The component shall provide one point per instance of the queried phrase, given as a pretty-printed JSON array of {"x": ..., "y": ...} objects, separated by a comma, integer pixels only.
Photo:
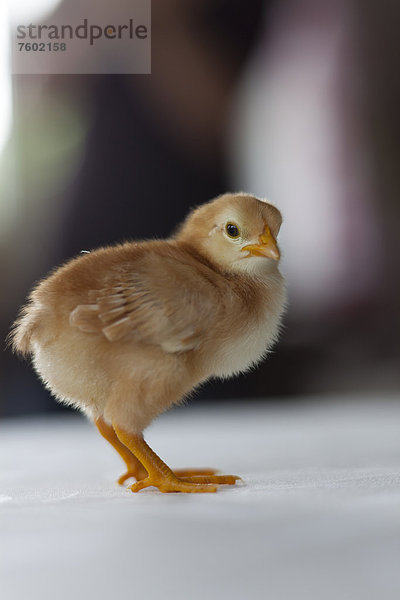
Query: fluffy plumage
[{"x": 124, "y": 332}]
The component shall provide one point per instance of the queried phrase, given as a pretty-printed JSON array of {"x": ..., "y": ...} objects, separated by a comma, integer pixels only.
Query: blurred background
[{"x": 296, "y": 101}]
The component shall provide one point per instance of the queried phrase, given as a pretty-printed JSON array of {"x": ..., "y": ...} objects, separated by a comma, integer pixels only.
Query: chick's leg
[
  {"x": 136, "y": 469},
  {"x": 134, "y": 466},
  {"x": 160, "y": 475}
]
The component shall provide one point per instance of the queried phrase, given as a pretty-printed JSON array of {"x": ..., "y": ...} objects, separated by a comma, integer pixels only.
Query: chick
[{"x": 124, "y": 332}]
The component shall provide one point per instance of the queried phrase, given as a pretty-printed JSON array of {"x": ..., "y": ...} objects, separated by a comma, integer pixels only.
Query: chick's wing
[{"x": 160, "y": 301}]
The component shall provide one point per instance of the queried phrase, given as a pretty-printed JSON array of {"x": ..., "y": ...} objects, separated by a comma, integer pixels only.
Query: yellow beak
[{"x": 266, "y": 247}]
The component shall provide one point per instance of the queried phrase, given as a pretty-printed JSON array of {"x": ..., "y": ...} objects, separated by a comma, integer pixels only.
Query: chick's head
[{"x": 236, "y": 231}]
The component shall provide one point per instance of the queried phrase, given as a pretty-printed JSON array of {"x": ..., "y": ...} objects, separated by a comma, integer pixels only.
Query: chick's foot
[
  {"x": 167, "y": 484},
  {"x": 159, "y": 474}
]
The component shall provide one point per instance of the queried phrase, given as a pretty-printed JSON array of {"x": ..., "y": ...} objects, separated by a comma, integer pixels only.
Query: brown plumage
[{"x": 124, "y": 332}]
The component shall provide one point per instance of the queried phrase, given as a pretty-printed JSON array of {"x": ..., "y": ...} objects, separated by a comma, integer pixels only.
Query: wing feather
[{"x": 164, "y": 302}]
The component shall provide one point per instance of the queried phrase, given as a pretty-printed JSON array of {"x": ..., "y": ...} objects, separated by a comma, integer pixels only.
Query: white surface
[{"x": 317, "y": 517}]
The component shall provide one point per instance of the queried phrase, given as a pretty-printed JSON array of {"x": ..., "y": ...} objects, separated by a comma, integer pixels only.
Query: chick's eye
[{"x": 232, "y": 230}]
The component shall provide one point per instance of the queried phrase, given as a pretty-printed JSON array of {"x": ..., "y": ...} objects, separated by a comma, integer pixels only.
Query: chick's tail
[{"x": 20, "y": 336}]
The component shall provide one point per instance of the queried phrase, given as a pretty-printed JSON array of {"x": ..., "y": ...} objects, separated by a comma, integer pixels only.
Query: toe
[
  {"x": 124, "y": 477},
  {"x": 140, "y": 485},
  {"x": 220, "y": 479},
  {"x": 188, "y": 488},
  {"x": 135, "y": 473},
  {"x": 169, "y": 486},
  {"x": 193, "y": 472}
]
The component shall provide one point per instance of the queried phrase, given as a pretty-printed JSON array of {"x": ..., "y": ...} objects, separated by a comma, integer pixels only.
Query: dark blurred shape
[{"x": 377, "y": 32}]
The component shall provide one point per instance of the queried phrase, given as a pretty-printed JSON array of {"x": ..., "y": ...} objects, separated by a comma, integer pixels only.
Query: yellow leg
[
  {"x": 134, "y": 466},
  {"x": 159, "y": 474},
  {"x": 137, "y": 470}
]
